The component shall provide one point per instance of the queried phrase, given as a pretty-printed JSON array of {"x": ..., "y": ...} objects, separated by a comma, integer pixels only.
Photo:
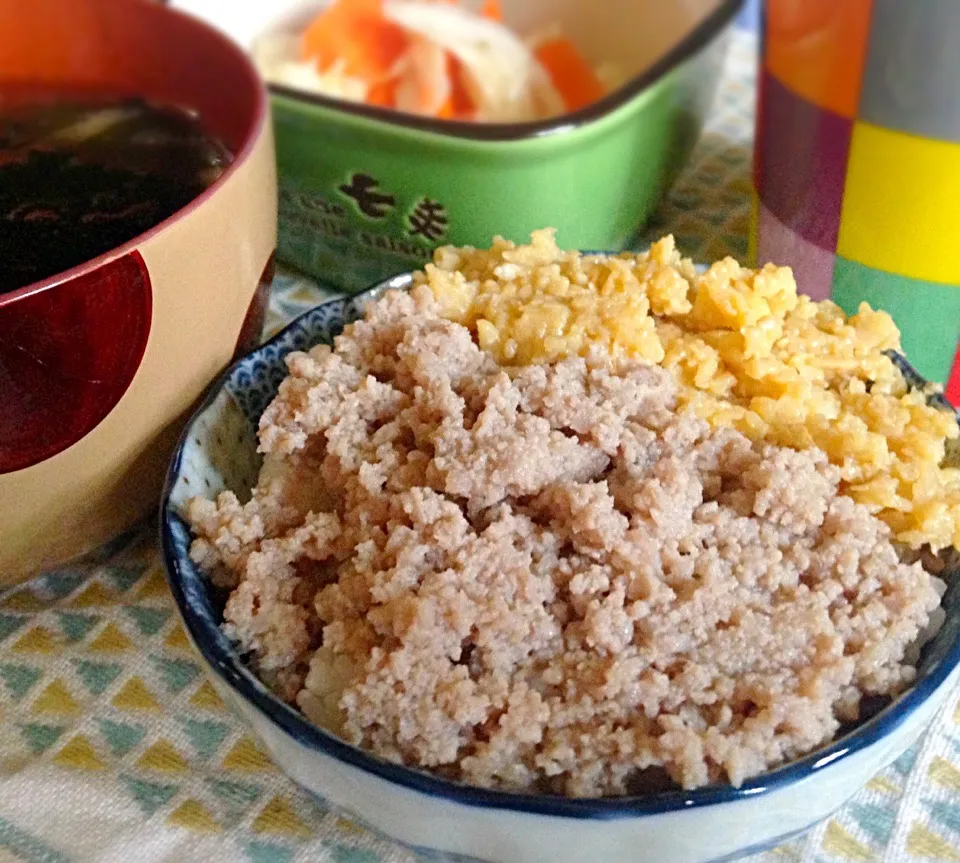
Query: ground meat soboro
[{"x": 545, "y": 578}]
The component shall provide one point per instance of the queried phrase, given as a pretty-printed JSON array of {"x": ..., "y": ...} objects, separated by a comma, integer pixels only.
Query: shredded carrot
[
  {"x": 383, "y": 94},
  {"x": 571, "y": 74},
  {"x": 461, "y": 102},
  {"x": 356, "y": 32},
  {"x": 404, "y": 72},
  {"x": 492, "y": 9},
  {"x": 432, "y": 77}
]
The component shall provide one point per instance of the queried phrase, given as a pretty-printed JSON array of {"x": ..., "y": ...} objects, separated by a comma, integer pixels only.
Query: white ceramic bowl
[{"x": 445, "y": 821}]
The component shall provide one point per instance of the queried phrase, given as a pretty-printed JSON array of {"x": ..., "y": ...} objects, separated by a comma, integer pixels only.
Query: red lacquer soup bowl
[{"x": 99, "y": 364}]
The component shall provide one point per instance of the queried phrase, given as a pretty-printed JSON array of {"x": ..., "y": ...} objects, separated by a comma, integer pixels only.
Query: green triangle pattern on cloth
[
  {"x": 149, "y": 795},
  {"x": 177, "y": 673},
  {"x": 345, "y": 854},
  {"x": 206, "y": 736},
  {"x": 125, "y": 577},
  {"x": 121, "y": 737},
  {"x": 944, "y": 813},
  {"x": 19, "y": 679},
  {"x": 61, "y": 584},
  {"x": 41, "y": 737},
  {"x": 265, "y": 852},
  {"x": 97, "y": 676},
  {"x": 237, "y": 795},
  {"x": 10, "y": 623},
  {"x": 904, "y": 764},
  {"x": 876, "y": 821},
  {"x": 148, "y": 620},
  {"x": 76, "y": 626}
]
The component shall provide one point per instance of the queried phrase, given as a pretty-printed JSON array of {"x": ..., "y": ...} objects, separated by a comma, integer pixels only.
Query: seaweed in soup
[{"x": 80, "y": 177}]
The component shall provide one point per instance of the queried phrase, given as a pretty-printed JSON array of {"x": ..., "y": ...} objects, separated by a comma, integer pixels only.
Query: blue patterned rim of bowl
[{"x": 253, "y": 381}]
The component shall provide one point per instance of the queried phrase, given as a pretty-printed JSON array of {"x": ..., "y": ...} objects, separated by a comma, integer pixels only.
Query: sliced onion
[
  {"x": 501, "y": 73},
  {"x": 425, "y": 85}
]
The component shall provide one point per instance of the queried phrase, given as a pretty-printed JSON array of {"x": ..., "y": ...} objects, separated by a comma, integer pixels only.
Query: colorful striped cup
[{"x": 857, "y": 163}]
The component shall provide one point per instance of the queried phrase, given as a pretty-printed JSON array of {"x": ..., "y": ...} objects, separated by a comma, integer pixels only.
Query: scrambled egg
[{"x": 748, "y": 352}]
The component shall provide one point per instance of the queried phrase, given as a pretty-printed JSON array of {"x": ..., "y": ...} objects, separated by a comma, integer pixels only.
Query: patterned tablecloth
[{"x": 113, "y": 746}]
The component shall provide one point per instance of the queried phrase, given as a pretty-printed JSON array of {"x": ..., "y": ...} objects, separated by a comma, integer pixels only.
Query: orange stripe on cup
[{"x": 818, "y": 49}]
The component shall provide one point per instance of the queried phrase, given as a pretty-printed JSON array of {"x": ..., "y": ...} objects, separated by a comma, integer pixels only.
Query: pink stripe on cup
[
  {"x": 812, "y": 266},
  {"x": 953, "y": 383}
]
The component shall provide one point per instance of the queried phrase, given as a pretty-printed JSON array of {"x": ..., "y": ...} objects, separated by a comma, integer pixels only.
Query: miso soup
[{"x": 80, "y": 175}]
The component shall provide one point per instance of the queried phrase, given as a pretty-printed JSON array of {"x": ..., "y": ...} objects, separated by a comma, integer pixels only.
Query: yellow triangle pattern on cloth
[
  {"x": 56, "y": 698},
  {"x": 94, "y": 595},
  {"x": 38, "y": 640},
  {"x": 135, "y": 696},
  {"x": 740, "y": 224},
  {"x": 956, "y": 713},
  {"x": 10, "y": 764},
  {"x": 714, "y": 250},
  {"x": 177, "y": 639},
  {"x": 79, "y": 754},
  {"x": 246, "y": 755},
  {"x": 207, "y": 698},
  {"x": 883, "y": 785},
  {"x": 154, "y": 585},
  {"x": 24, "y": 600},
  {"x": 164, "y": 757},
  {"x": 278, "y": 817},
  {"x": 111, "y": 640},
  {"x": 348, "y": 826},
  {"x": 304, "y": 295},
  {"x": 685, "y": 225},
  {"x": 922, "y": 842},
  {"x": 944, "y": 773},
  {"x": 193, "y": 816},
  {"x": 838, "y": 841}
]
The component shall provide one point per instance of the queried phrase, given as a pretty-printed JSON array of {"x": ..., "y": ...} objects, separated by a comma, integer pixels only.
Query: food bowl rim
[
  {"x": 226, "y": 663},
  {"x": 692, "y": 43}
]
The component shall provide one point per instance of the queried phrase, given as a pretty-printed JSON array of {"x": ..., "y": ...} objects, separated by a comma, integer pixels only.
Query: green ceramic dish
[{"x": 366, "y": 193}]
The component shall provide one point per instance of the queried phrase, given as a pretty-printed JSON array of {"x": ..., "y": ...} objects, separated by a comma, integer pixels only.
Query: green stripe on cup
[{"x": 927, "y": 313}]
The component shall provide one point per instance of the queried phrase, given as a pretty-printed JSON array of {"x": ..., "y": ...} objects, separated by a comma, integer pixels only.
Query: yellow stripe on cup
[{"x": 900, "y": 210}]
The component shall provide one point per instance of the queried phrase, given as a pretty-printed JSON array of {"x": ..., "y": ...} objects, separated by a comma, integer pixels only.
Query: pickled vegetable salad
[{"x": 436, "y": 58}]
